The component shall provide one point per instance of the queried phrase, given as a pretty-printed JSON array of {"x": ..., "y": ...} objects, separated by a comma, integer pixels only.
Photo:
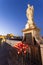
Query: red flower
[{"x": 21, "y": 47}]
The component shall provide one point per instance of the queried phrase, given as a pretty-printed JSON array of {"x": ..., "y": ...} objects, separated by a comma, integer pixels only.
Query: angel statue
[{"x": 29, "y": 12}]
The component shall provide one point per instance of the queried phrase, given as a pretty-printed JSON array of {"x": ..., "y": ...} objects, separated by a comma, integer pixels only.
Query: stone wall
[{"x": 9, "y": 55}]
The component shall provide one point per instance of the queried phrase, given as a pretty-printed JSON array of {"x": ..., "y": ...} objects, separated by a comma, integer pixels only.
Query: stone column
[{"x": 41, "y": 48}]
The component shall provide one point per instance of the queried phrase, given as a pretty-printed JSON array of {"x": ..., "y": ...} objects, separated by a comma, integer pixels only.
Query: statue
[{"x": 29, "y": 13}]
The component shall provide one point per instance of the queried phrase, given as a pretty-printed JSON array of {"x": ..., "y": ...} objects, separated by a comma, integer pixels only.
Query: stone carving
[{"x": 29, "y": 12}]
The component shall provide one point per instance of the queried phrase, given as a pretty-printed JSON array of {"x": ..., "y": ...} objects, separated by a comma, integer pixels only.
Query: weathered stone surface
[
  {"x": 8, "y": 55},
  {"x": 41, "y": 48}
]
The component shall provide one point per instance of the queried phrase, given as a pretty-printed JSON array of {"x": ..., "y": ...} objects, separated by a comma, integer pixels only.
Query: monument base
[{"x": 41, "y": 49}]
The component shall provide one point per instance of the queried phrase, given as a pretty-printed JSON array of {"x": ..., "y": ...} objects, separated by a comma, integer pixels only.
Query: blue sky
[{"x": 13, "y": 15}]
